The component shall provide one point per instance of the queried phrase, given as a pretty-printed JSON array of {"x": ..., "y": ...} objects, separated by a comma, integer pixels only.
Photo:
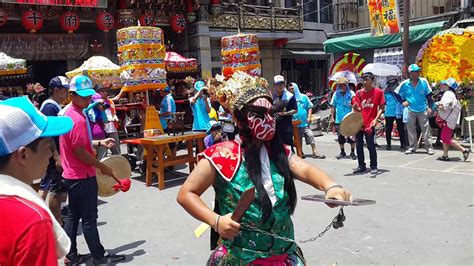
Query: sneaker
[
  {"x": 403, "y": 148},
  {"x": 341, "y": 155},
  {"x": 374, "y": 171},
  {"x": 410, "y": 151},
  {"x": 465, "y": 154},
  {"x": 360, "y": 170},
  {"x": 109, "y": 259},
  {"x": 353, "y": 156},
  {"x": 430, "y": 151},
  {"x": 76, "y": 259}
]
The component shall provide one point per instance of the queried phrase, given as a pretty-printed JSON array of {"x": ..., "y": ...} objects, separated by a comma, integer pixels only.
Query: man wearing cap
[
  {"x": 52, "y": 181},
  {"x": 167, "y": 107},
  {"x": 200, "y": 104},
  {"x": 285, "y": 116},
  {"x": 416, "y": 95},
  {"x": 29, "y": 232},
  {"x": 370, "y": 102},
  {"x": 214, "y": 135},
  {"x": 79, "y": 164}
]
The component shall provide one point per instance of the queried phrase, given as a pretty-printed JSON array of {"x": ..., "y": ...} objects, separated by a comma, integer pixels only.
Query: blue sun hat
[
  {"x": 21, "y": 123},
  {"x": 450, "y": 82}
]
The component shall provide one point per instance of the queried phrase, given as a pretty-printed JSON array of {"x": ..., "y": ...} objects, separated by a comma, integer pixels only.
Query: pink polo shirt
[{"x": 77, "y": 137}]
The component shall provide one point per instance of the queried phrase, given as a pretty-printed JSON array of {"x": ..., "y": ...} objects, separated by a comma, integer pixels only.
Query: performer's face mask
[{"x": 262, "y": 123}]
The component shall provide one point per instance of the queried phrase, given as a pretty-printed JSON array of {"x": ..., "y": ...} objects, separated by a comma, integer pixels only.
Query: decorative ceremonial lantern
[
  {"x": 141, "y": 56},
  {"x": 147, "y": 19},
  {"x": 215, "y": 7},
  {"x": 280, "y": 42},
  {"x": 351, "y": 61},
  {"x": 105, "y": 21},
  {"x": 241, "y": 53},
  {"x": 178, "y": 23},
  {"x": 69, "y": 21},
  {"x": 32, "y": 20},
  {"x": 3, "y": 17},
  {"x": 190, "y": 14}
]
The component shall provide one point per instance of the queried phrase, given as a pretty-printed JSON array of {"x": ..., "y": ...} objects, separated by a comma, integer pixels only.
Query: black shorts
[
  {"x": 53, "y": 180},
  {"x": 340, "y": 138}
]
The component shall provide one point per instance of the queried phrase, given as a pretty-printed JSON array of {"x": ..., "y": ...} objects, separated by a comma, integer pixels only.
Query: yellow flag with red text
[{"x": 384, "y": 17}]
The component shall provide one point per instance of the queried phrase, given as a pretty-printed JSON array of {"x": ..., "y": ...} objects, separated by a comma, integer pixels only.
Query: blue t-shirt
[
  {"x": 50, "y": 109},
  {"x": 167, "y": 105},
  {"x": 342, "y": 104},
  {"x": 202, "y": 121},
  {"x": 390, "y": 104},
  {"x": 302, "y": 114},
  {"x": 416, "y": 97}
]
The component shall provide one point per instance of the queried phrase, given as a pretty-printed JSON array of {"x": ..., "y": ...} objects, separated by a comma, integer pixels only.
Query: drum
[
  {"x": 351, "y": 124},
  {"x": 315, "y": 125},
  {"x": 122, "y": 170}
]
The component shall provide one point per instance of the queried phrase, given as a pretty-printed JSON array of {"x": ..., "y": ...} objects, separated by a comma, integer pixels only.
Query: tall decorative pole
[{"x": 406, "y": 35}]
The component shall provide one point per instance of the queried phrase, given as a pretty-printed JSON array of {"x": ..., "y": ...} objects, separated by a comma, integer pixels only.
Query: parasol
[
  {"x": 99, "y": 69},
  {"x": 11, "y": 66},
  {"x": 176, "y": 63},
  {"x": 448, "y": 54},
  {"x": 381, "y": 69},
  {"x": 350, "y": 76}
]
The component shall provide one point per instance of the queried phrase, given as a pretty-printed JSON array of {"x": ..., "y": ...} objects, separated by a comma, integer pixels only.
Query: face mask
[{"x": 262, "y": 128}]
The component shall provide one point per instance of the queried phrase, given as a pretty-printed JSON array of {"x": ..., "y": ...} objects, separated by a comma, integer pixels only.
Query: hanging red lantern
[
  {"x": 215, "y": 7},
  {"x": 190, "y": 14},
  {"x": 147, "y": 19},
  {"x": 105, "y": 21},
  {"x": 279, "y": 43},
  {"x": 3, "y": 17},
  {"x": 178, "y": 23},
  {"x": 69, "y": 21},
  {"x": 32, "y": 20}
]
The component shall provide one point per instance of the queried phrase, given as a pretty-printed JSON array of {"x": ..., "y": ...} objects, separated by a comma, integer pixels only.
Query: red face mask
[{"x": 262, "y": 128}]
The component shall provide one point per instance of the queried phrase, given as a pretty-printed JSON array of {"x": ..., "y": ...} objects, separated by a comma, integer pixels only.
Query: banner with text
[{"x": 384, "y": 17}]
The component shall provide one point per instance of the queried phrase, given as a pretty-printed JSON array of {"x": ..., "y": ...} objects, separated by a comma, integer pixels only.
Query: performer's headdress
[{"x": 238, "y": 90}]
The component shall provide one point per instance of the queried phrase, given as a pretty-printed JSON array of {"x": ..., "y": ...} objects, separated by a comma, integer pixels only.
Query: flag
[{"x": 384, "y": 17}]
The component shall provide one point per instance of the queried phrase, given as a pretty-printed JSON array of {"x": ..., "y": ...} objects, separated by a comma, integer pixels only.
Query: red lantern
[
  {"x": 190, "y": 14},
  {"x": 32, "y": 20},
  {"x": 69, "y": 21},
  {"x": 178, "y": 23},
  {"x": 3, "y": 17},
  {"x": 147, "y": 19},
  {"x": 215, "y": 7},
  {"x": 279, "y": 43},
  {"x": 105, "y": 21}
]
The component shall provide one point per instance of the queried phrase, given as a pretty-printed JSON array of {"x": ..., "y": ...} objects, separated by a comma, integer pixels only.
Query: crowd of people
[{"x": 249, "y": 144}]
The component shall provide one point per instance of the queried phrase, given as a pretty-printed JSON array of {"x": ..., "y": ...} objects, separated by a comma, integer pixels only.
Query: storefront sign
[
  {"x": 78, "y": 3},
  {"x": 384, "y": 17},
  {"x": 391, "y": 56}
]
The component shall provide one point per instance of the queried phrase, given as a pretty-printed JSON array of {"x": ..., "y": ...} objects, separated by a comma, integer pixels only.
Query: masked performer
[{"x": 261, "y": 161}]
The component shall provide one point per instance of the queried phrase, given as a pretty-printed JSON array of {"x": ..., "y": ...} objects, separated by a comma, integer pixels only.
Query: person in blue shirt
[
  {"x": 201, "y": 107},
  {"x": 304, "y": 115},
  {"x": 416, "y": 95},
  {"x": 287, "y": 107},
  {"x": 167, "y": 108},
  {"x": 393, "y": 112},
  {"x": 341, "y": 105}
]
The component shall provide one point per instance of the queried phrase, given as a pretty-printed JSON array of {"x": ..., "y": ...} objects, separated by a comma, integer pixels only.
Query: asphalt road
[{"x": 423, "y": 215}]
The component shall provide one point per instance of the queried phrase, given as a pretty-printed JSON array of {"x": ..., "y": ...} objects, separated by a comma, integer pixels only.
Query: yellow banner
[{"x": 384, "y": 17}]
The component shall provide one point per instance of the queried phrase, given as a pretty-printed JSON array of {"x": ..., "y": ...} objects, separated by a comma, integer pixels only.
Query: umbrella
[
  {"x": 344, "y": 74},
  {"x": 381, "y": 69}
]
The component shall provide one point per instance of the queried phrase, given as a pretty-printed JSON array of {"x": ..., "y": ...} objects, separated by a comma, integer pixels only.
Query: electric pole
[{"x": 406, "y": 34}]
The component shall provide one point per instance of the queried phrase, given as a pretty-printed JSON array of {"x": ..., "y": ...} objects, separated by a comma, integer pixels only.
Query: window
[
  {"x": 290, "y": 3},
  {"x": 362, "y": 3},
  {"x": 325, "y": 11},
  {"x": 310, "y": 10}
]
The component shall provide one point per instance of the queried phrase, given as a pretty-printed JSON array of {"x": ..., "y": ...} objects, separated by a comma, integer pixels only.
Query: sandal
[
  {"x": 317, "y": 156},
  {"x": 465, "y": 154},
  {"x": 443, "y": 158}
]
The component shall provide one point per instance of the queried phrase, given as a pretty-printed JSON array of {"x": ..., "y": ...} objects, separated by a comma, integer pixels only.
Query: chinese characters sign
[
  {"x": 78, "y": 3},
  {"x": 384, "y": 17}
]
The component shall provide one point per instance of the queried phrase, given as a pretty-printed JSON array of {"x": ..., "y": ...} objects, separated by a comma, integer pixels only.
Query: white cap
[{"x": 278, "y": 79}]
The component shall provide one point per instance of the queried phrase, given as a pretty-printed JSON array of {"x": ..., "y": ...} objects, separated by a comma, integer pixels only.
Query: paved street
[{"x": 423, "y": 215}]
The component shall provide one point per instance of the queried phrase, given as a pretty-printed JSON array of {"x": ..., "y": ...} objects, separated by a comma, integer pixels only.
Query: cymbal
[
  {"x": 351, "y": 124},
  {"x": 122, "y": 170}
]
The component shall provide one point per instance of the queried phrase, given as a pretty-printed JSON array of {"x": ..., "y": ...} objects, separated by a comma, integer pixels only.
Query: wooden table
[
  {"x": 297, "y": 138},
  {"x": 155, "y": 148}
]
